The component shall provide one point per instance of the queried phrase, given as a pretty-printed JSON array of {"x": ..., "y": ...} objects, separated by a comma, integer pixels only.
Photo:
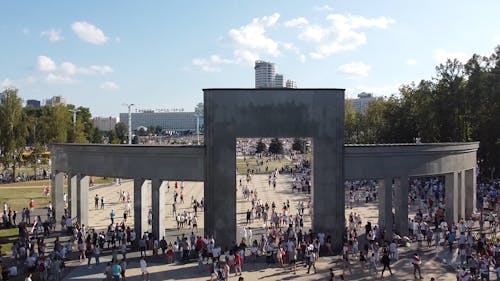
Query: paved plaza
[{"x": 433, "y": 264}]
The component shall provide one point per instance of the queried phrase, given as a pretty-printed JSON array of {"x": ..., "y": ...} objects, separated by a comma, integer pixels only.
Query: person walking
[
  {"x": 416, "y": 266},
  {"x": 386, "y": 261},
  {"x": 144, "y": 268},
  {"x": 116, "y": 270},
  {"x": 312, "y": 261},
  {"x": 238, "y": 263}
]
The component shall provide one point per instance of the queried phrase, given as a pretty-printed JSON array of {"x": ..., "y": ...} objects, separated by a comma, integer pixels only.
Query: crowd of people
[{"x": 275, "y": 233}]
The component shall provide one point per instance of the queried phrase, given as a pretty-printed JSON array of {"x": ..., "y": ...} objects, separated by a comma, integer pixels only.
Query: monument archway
[{"x": 247, "y": 113}]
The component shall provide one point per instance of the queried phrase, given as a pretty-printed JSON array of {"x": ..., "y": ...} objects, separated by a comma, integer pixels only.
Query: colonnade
[
  {"x": 460, "y": 199},
  {"x": 78, "y": 201}
]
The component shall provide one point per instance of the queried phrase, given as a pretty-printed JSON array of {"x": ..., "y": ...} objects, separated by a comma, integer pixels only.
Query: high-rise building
[
  {"x": 104, "y": 123},
  {"x": 291, "y": 84},
  {"x": 56, "y": 100},
  {"x": 265, "y": 73},
  {"x": 361, "y": 103},
  {"x": 279, "y": 81},
  {"x": 266, "y": 76},
  {"x": 33, "y": 103}
]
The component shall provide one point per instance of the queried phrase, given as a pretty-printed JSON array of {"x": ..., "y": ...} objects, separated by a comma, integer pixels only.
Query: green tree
[
  {"x": 13, "y": 129},
  {"x": 121, "y": 132},
  {"x": 261, "y": 147},
  {"x": 351, "y": 121},
  {"x": 276, "y": 146},
  {"x": 299, "y": 145}
]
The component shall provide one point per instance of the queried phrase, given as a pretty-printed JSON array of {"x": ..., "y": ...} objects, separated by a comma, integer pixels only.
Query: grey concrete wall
[
  {"x": 233, "y": 113},
  {"x": 377, "y": 161},
  {"x": 130, "y": 161}
]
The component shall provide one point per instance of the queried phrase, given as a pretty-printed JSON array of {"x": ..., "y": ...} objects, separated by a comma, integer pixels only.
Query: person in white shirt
[
  {"x": 393, "y": 250},
  {"x": 144, "y": 268}
]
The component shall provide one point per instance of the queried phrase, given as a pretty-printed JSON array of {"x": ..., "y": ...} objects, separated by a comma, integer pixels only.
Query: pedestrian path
[{"x": 433, "y": 264}]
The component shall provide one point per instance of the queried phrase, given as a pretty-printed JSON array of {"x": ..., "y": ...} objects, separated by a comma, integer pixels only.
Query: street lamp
[
  {"x": 197, "y": 127},
  {"x": 129, "y": 121},
  {"x": 74, "y": 117}
]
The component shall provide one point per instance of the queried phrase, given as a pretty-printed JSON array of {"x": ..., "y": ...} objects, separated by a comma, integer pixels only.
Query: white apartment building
[
  {"x": 266, "y": 76},
  {"x": 104, "y": 123}
]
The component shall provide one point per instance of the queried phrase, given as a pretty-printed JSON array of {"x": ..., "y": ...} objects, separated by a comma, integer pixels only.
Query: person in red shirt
[
  {"x": 238, "y": 263},
  {"x": 32, "y": 204}
]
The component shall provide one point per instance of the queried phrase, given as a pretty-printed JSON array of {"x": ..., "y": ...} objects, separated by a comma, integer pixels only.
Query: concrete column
[
  {"x": 461, "y": 194},
  {"x": 328, "y": 190},
  {"x": 158, "y": 208},
  {"x": 139, "y": 207},
  {"x": 82, "y": 195},
  {"x": 401, "y": 205},
  {"x": 470, "y": 191},
  {"x": 451, "y": 197},
  {"x": 72, "y": 197},
  {"x": 219, "y": 188},
  {"x": 57, "y": 196},
  {"x": 385, "y": 206}
]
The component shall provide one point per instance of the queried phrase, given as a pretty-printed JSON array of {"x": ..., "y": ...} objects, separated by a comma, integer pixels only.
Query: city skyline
[{"x": 162, "y": 54}]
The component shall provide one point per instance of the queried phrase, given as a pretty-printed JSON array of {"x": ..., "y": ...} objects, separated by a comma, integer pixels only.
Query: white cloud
[
  {"x": 441, "y": 55},
  {"x": 249, "y": 43},
  {"x": 110, "y": 86},
  {"x": 59, "y": 79},
  {"x": 89, "y": 32},
  {"x": 7, "y": 83},
  {"x": 411, "y": 62},
  {"x": 354, "y": 69},
  {"x": 68, "y": 68},
  {"x": 341, "y": 34},
  {"x": 252, "y": 37},
  {"x": 53, "y": 35},
  {"x": 95, "y": 69},
  {"x": 313, "y": 34},
  {"x": 296, "y": 22},
  {"x": 17, "y": 83},
  {"x": 45, "y": 64},
  {"x": 323, "y": 8}
]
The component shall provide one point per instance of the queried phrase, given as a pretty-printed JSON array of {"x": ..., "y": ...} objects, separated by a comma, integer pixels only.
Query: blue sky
[{"x": 161, "y": 54}]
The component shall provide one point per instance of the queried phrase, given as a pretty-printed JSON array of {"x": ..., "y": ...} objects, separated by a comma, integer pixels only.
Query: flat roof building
[
  {"x": 168, "y": 121},
  {"x": 104, "y": 123}
]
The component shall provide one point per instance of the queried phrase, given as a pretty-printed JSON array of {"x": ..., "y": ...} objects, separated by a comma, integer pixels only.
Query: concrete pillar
[
  {"x": 139, "y": 208},
  {"x": 219, "y": 189},
  {"x": 328, "y": 190},
  {"x": 451, "y": 197},
  {"x": 470, "y": 191},
  {"x": 385, "y": 206},
  {"x": 82, "y": 211},
  {"x": 57, "y": 196},
  {"x": 158, "y": 207},
  {"x": 461, "y": 194},
  {"x": 401, "y": 205},
  {"x": 72, "y": 197}
]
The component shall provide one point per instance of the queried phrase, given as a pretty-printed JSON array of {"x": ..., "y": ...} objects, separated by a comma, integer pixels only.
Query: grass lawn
[
  {"x": 7, "y": 236},
  {"x": 101, "y": 180},
  {"x": 18, "y": 198},
  {"x": 241, "y": 167}
]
